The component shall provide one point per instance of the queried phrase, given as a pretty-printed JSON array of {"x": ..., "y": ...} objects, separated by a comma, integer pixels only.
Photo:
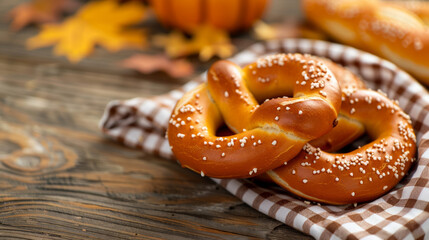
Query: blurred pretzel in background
[{"x": 397, "y": 31}]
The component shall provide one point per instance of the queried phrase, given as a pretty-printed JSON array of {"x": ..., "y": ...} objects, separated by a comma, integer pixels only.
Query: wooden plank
[{"x": 60, "y": 178}]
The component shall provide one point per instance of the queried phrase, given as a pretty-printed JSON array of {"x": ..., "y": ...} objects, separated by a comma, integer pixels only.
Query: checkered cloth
[{"x": 403, "y": 213}]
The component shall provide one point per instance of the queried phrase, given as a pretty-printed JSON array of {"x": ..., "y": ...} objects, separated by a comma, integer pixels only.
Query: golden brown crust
[
  {"x": 276, "y": 129},
  {"x": 347, "y": 130},
  {"x": 347, "y": 80},
  {"x": 392, "y": 32},
  {"x": 363, "y": 174}
]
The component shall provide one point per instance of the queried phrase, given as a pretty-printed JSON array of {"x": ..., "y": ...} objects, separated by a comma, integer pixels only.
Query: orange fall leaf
[{"x": 151, "y": 63}]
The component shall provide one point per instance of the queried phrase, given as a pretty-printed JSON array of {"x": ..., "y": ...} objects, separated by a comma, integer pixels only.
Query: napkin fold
[{"x": 403, "y": 213}]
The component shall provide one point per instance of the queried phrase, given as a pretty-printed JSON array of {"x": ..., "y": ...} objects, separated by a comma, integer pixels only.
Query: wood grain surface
[{"x": 60, "y": 178}]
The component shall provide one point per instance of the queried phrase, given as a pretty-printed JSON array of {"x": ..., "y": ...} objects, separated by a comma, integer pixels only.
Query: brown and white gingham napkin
[{"x": 403, "y": 213}]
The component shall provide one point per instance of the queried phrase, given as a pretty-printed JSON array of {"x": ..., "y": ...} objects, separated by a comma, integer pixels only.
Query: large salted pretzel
[
  {"x": 396, "y": 31},
  {"x": 363, "y": 174},
  {"x": 278, "y": 129},
  {"x": 266, "y": 135}
]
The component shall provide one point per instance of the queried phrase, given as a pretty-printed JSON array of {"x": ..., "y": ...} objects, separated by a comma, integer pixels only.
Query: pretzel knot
[{"x": 265, "y": 135}]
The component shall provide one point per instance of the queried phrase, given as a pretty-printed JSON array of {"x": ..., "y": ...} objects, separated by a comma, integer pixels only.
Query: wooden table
[{"x": 60, "y": 178}]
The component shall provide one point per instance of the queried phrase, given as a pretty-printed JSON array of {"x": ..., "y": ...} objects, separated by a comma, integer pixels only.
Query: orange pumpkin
[{"x": 229, "y": 15}]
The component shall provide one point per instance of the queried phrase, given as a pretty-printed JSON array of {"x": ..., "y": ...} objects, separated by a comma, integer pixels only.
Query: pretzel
[
  {"x": 420, "y": 8},
  {"x": 276, "y": 130},
  {"x": 388, "y": 30},
  {"x": 363, "y": 174}
]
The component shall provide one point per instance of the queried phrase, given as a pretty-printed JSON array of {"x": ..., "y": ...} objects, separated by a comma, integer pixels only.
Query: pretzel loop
[{"x": 363, "y": 174}]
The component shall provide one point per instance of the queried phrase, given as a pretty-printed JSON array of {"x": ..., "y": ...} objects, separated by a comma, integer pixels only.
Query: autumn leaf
[
  {"x": 99, "y": 22},
  {"x": 150, "y": 63},
  {"x": 39, "y": 11},
  {"x": 287, "y": 29},
  {"x": 205, "y": 41},
  {"x": 174, "y": 43}
]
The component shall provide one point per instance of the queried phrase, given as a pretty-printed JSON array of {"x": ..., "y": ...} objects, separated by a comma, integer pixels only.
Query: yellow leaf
[
  {"x": 264, "y": 31},
  {"x": 206, "y": 41},
  {"x": 175, "y": 44},
  {"x": 100, "y": 22},
  {"x": 287, "y": 29}
]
